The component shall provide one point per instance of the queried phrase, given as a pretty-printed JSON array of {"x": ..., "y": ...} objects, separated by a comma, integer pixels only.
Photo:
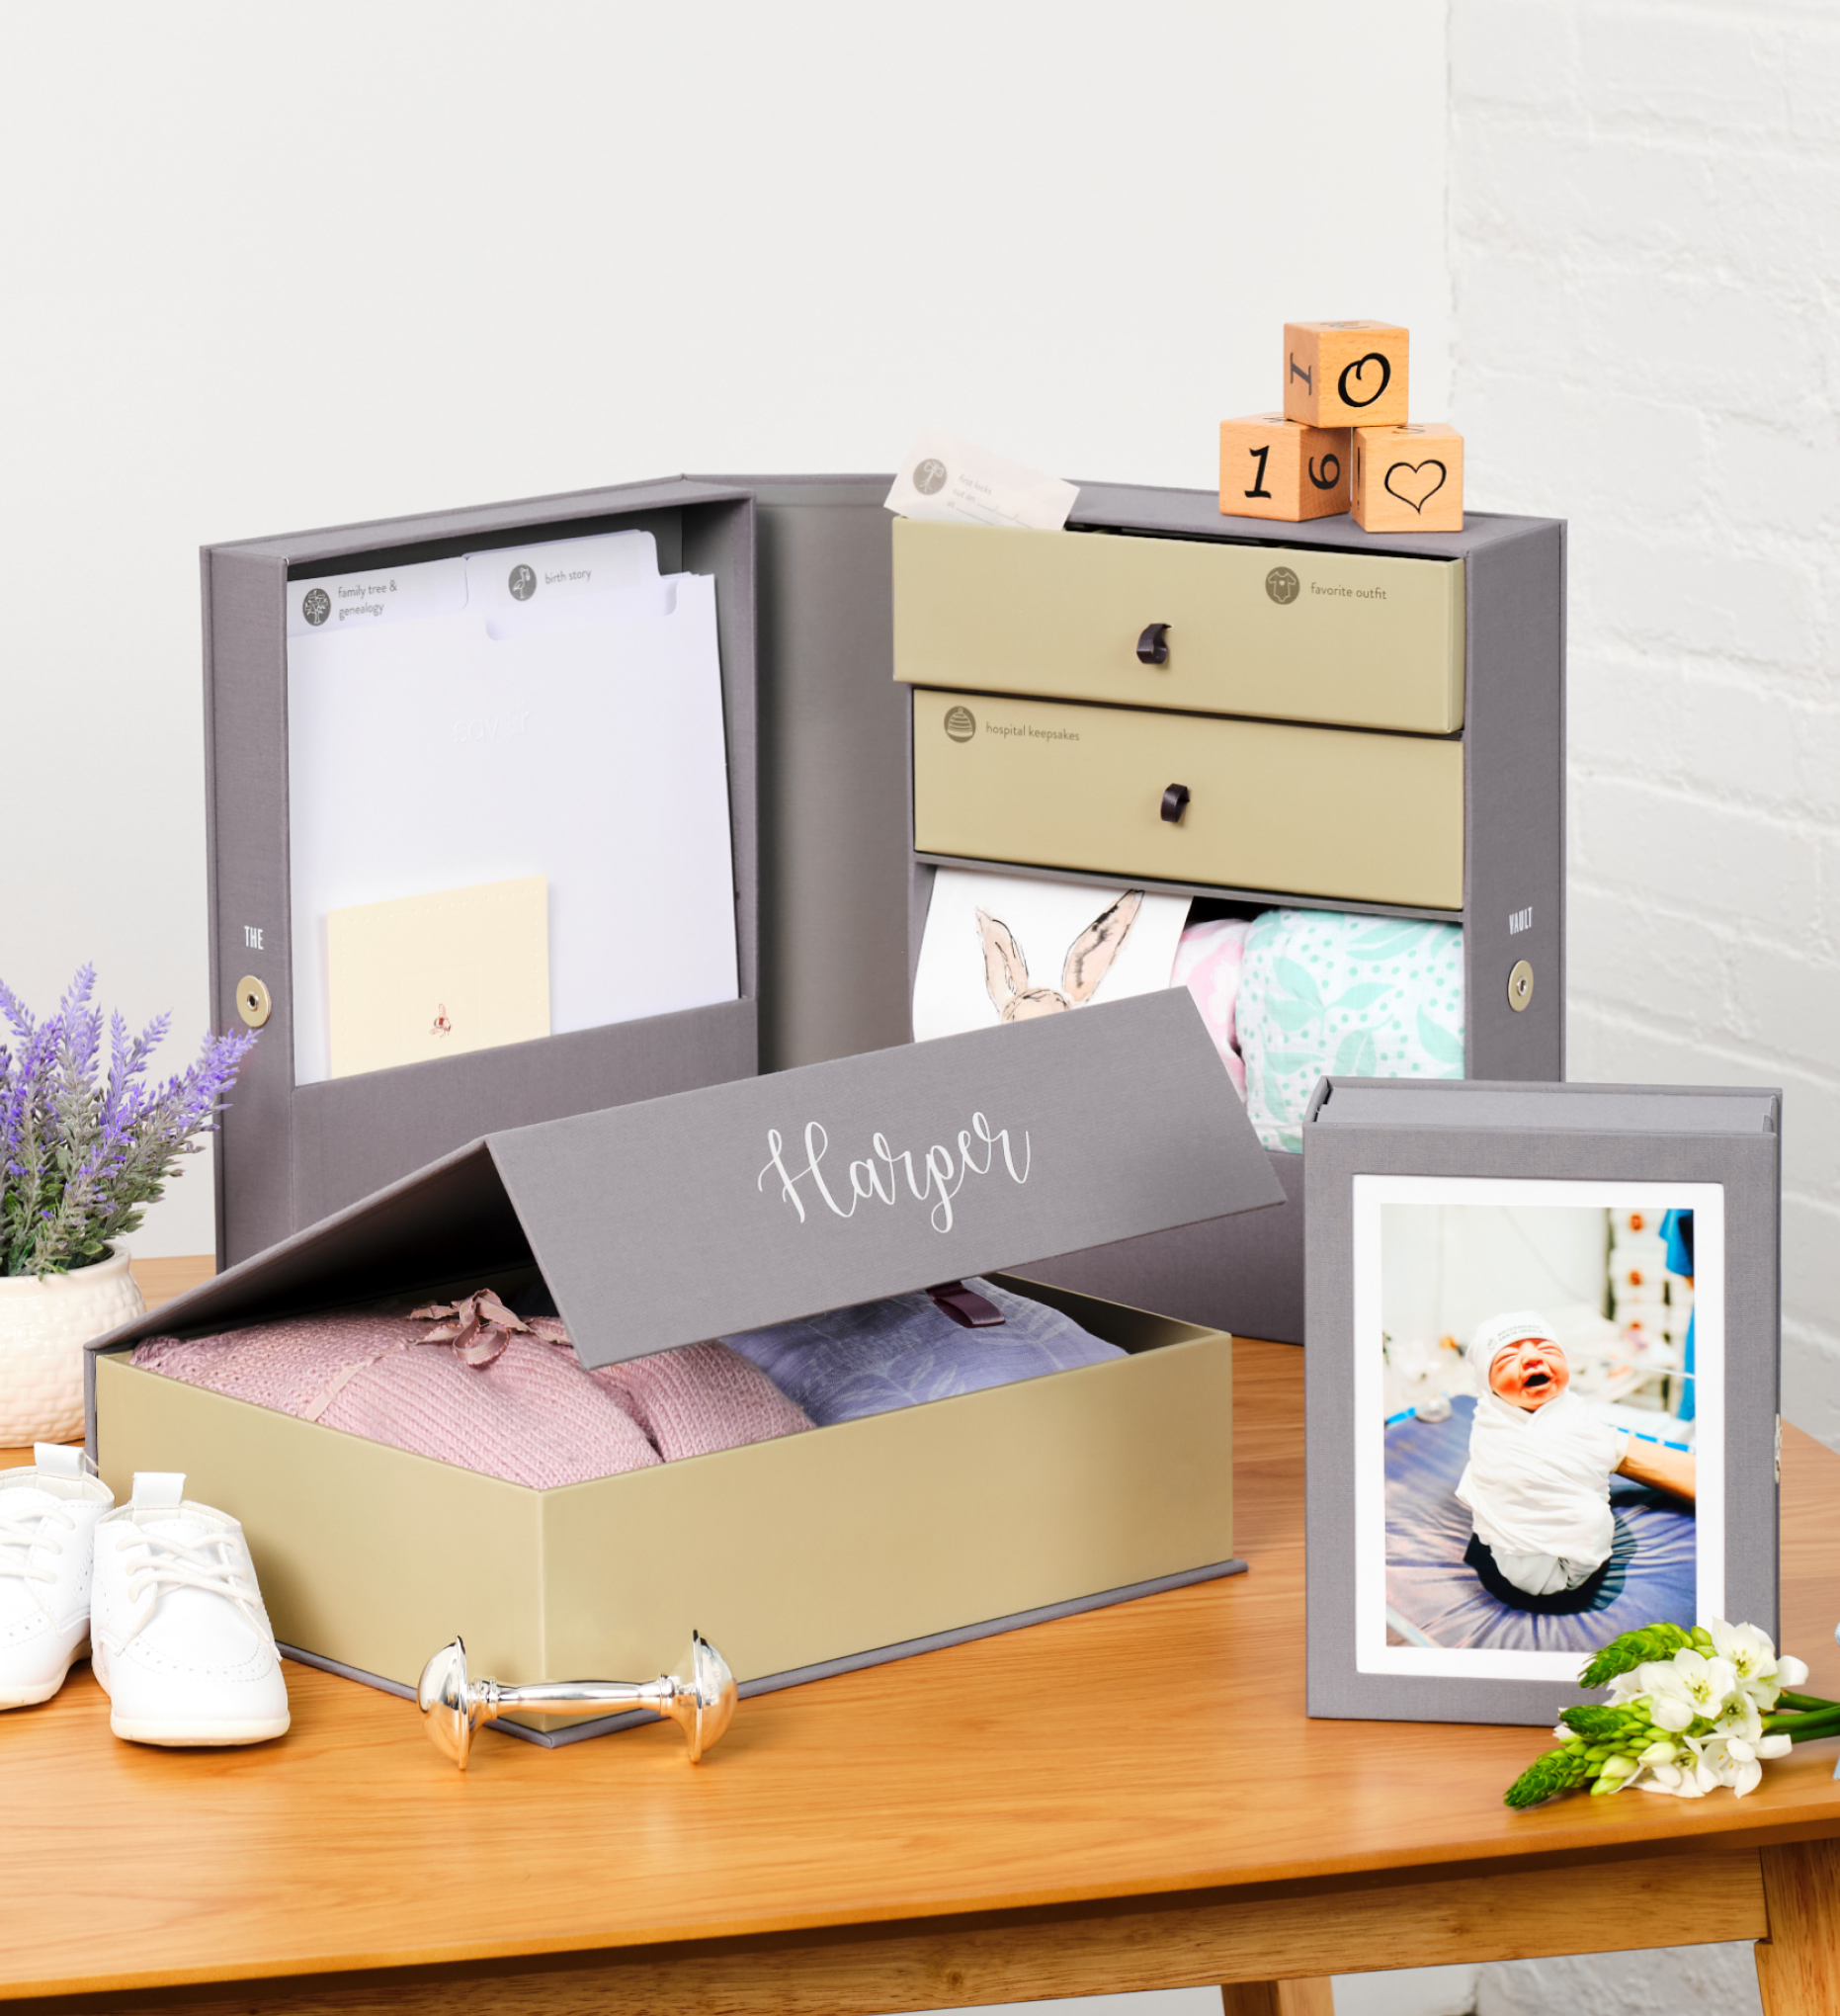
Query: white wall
[
  {"x": 1446, "y": 1268},
  {"x": 1645, "y": 250},
  {"x": 1645, "y": 247},
  {"x": 270, "y": 269}
]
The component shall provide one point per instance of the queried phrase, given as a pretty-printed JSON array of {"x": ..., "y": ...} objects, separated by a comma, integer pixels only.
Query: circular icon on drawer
[
  {"x": 960, "y": 723},
  {"x": 929, "y": 476},
  {"x": 1520, "y": 985},
  {"x": 1282, "y": 585},
  {"x": 316, "y": 606},
  {"x": 522, "y": 581}
]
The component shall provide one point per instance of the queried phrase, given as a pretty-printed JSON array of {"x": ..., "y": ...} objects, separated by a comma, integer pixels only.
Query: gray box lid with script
[{"x": 669, "y": 1222}]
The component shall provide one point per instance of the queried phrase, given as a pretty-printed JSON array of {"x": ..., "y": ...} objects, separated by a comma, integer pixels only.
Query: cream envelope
[{"x": 430, "y": 976}]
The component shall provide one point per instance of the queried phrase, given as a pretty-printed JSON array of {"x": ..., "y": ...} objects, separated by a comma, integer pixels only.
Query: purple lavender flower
[{"x": 80, "y": 1160}]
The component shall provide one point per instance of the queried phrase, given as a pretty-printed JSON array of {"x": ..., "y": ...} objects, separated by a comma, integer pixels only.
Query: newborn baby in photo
[{"x": 1538, "y": 1480}]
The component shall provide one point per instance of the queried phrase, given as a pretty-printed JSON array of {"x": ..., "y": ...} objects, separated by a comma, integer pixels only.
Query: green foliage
[
  {"x": 1634, "y": 1648},
  {"x": 1562, "y": 1770},
  {"x": 1598, "y": 1724}
]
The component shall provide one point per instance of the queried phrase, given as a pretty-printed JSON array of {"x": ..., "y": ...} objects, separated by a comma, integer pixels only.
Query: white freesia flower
[
  {"x": 1739, "y": 1717},
  {"x": 1774, "y": 1747},
  {"x": 1689, "y": 1779},
  {"x": 1731, "y": 1761},
  {"x": 1790, "y": 1671},
  {"x": 1752, "y": 1657},
  {"x": 1628, "y": 1687},
  {"x": 1659, "y": 1752},
  {"x": 1702, "y": 1685}
]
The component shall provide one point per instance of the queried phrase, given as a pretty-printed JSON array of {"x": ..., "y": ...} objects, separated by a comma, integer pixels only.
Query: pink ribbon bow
[{"x": 482, "y": 1326}]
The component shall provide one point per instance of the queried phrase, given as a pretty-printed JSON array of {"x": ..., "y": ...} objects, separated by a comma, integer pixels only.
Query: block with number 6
[
  {"x": 1273, "y": 467},
  {"x": 1408, "y": 479}
]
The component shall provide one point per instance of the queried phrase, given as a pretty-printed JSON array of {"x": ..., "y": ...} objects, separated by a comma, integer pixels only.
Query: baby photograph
[{"x": 1537, "y": 1376}]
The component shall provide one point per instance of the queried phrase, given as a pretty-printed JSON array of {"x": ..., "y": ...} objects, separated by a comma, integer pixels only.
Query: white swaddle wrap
[{"x": 1539, "y": 1483}]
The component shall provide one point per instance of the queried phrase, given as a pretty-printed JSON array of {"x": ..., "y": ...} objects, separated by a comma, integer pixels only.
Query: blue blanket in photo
[{"x": 1432, "y": 1596}]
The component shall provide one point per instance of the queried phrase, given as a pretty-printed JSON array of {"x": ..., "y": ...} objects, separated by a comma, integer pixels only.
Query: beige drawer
[
  {"x": 1287, "y": 633},
  {"x": 1313, "y": 812}
]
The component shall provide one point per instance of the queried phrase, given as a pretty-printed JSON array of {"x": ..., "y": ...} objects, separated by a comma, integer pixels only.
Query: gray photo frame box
[
  {"x": 289, "y": 1155},
  {"x": 1731, "y": 1137},
  {"x": 837, "y": 836},
  {"x": 660, "y": 1223}
]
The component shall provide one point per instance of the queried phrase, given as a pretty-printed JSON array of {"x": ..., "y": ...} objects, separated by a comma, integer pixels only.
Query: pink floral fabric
[
  {"x": 1208, "y": 963},
  {"x": 530, "y": 1413}
]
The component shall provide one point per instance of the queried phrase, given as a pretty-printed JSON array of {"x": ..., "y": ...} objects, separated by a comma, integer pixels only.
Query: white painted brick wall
[{"x": 1646, "y": 262}]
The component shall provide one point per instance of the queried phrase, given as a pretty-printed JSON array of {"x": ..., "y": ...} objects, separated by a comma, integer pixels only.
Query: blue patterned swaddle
[
  {"x": 899, "y": 1352},
  {"x": 1323, "y": 992}
]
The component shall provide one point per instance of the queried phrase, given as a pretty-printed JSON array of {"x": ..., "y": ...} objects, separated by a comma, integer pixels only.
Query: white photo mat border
[{"x": 1372, "y": 1654}]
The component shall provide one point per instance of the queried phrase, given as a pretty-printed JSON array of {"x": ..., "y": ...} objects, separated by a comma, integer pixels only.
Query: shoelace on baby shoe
[
  {"x": 21, "y": 1530},
  {"x": 206, "y": 1565}
]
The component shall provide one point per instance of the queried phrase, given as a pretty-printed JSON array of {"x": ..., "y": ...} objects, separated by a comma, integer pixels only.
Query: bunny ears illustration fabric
[
  {"x": 1010, "y": 948},
  {"x": 1089, "y": 959}
]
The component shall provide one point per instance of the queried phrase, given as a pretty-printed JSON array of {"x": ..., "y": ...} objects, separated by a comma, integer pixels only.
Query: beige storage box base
[
  {"x": 789, "y": 1555},
  {"x": 660, "y": 1224}
]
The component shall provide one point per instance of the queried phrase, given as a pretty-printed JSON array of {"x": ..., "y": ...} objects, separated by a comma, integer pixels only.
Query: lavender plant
[{"x": 81, "y": 1157}]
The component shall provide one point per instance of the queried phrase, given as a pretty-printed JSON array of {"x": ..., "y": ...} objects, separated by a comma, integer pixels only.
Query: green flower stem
[
  {"x": 1804, "y": 1728},
  {"x": 1809, "y": 1702}
]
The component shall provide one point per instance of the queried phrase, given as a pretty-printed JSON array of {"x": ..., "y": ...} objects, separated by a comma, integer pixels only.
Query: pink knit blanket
[{"x": 472, "y": 1384}]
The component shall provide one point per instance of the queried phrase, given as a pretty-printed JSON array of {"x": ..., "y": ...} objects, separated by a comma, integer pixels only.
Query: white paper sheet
[
  {"x": 943, "y": 477},
  {"x": 458, "y": 737},
  {"x": 1038, "y": 948}
]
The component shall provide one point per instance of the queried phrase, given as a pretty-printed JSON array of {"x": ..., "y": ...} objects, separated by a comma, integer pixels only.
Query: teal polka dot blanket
[{"x": 1324, "y": 992}]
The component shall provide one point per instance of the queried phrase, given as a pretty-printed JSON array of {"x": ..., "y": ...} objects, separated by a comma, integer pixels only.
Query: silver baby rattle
[{"x": 699, "y": 1696}]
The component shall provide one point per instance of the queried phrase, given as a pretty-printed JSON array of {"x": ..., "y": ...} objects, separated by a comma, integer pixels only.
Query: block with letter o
[{"x": 1345, "y": 373}]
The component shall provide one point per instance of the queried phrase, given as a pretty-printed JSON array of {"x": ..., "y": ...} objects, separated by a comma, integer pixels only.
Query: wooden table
[{"x": 1129, "y": 1799}]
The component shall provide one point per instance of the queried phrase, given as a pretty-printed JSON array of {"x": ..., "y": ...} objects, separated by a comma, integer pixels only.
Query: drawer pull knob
[
  {"x": 1153, "y": 645},
  {"x": 1175, "y": 803}
]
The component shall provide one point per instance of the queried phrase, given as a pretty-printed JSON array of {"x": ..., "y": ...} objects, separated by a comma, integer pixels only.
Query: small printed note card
[
  {"x": 430, "y": 976},
  {"x": 944, "y": 477}
]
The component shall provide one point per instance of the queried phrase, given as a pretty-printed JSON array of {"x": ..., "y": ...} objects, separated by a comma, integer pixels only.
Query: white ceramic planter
[{"x": 44, "y": 1327}]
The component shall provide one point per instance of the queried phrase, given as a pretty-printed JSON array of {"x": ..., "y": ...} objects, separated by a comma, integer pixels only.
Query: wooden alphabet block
[
  {"x": 1273, "y": 467},
  {"x": 1345, "y": 373},
  {"x": 1408, "y": 479}
]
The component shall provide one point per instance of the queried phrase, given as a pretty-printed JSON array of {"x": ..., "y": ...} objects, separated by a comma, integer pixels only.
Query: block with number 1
[{"x": 1273, "y": 467}]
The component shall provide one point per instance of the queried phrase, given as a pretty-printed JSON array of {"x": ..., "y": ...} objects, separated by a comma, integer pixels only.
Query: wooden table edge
[{"x": 1710, "y": 1889}]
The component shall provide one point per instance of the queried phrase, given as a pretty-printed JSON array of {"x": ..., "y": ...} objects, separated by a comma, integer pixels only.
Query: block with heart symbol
[
  {"x": 1345, "y": 373},
  {"x": 1274, "y": 467},
  {"x": 1408, "y": 479}
]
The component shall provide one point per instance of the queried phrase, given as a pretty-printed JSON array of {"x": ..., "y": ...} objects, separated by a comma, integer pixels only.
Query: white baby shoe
[
  {"x": 179, "y": 1638},
  {"x": 47, "y": 1531}
]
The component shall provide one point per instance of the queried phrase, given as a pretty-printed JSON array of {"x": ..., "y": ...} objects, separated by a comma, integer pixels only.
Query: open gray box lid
[{"x": 687, "y": 1218}]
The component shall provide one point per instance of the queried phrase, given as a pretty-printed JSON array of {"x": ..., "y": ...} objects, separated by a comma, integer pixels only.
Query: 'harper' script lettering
[{"x": 886, "y": 1175}]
